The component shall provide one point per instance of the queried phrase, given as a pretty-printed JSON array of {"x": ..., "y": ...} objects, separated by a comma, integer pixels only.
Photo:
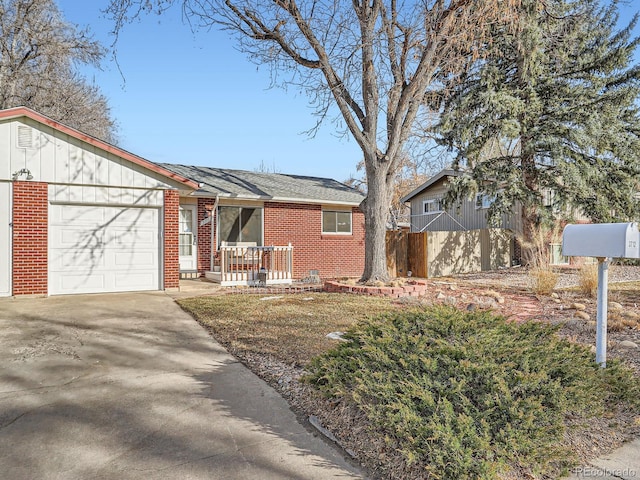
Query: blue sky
[{"x": 192, "y": 98}]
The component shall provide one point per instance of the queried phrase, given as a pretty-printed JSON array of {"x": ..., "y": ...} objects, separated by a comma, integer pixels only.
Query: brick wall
[
  {"x": 171, "y": 238},
  {"x": 30, "y": 234},
  {"x": 205, "y": 205},
  {"x": 301, "y": 225}
]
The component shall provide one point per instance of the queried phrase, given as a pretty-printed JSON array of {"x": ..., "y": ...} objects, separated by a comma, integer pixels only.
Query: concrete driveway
[{"x": 128, "y": 386}]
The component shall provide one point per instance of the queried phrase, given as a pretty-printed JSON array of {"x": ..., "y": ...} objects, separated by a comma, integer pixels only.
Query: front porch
[{"x": 252, "y": 265}]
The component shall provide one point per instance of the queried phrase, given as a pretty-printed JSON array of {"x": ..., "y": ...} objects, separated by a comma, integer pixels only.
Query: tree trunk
[
  {"x": 376, "y": 211},
  {"x": 533, "y": 254}
]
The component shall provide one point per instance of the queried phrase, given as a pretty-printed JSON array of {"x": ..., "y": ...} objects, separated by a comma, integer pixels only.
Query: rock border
[{"x": 415, "y": 288}]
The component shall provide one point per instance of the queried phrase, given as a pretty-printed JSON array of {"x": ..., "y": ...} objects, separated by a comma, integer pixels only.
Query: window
[
  {"x": 186, "y": 232},
  {"x": 433, "y": 205},
  {"x": 336, "y": 222},
  {"x": 555, "y": 255},
  {"x": 240, "y": 224},
  {"x": 484, "y": 201}
]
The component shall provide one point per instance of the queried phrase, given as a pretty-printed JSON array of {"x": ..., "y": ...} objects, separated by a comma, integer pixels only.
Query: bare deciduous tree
[
  {"x": 376, "y": 60},
  {"x": 38, "y": 53}
]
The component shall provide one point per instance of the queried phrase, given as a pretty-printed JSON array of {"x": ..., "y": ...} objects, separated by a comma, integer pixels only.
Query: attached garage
[
  {"x": 103, "y": 249},
  {"x": 78, "y": 215}
]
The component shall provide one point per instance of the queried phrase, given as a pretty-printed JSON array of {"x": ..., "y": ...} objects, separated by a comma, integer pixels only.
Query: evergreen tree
[{"x": 553, "y": 109}]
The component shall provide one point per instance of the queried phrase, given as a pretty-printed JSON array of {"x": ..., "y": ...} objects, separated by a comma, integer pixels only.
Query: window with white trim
[
  {"x": 433, "y": 205},
  {"x": 555, "y": 255},
  {"x": 336, "y": 221}
]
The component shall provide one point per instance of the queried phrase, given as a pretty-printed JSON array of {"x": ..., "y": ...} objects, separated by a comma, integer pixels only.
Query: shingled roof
[{"x": 267, "y": 186}]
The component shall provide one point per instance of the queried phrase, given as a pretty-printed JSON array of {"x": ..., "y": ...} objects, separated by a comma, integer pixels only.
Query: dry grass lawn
[
  {"x": 626, "y": 291},
  {"x": 292, "y": 327}
]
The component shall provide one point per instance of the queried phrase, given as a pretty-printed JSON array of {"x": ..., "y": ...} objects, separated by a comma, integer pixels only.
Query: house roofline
[
  {"x": 18, "y": 112},
  {"x": 447, "y": 172},
  {"x": 266, "y": 198}
]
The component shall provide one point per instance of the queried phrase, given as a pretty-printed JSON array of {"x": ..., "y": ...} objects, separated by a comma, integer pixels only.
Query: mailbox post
[{"x": 604, "y": 241}]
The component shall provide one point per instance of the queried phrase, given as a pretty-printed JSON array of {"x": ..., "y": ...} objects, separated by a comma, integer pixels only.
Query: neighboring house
[
  {"x": 429, "y": 215},
  {"x": 78, "y": 215}
]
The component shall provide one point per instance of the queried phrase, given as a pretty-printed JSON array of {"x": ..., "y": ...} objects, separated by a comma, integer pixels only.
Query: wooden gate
[{"x": 407, "y": 252}]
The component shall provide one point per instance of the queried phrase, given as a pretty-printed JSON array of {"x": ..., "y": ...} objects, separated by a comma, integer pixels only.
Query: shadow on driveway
[{"x": 129, "y": 386}]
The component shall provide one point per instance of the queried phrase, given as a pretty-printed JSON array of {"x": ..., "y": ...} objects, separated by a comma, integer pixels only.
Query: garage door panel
[
  {"x": 138, "y": 216},
  {"x": 129, "y": 282},
  {"x": 79, "y": 215},
  {"x": 142, "y": 238},
  {"x": 75, "y": 238},
  {"x": 87, "y": 260},
  {"x": 120, "y": 252},
  {"x": 135, "y": 259},
  {"x": 82, "y": 283}
]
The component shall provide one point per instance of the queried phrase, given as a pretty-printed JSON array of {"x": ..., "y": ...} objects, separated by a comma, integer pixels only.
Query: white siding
[
  {"x": 5, "y": 239},
  {"x": 60, "y": 158}
]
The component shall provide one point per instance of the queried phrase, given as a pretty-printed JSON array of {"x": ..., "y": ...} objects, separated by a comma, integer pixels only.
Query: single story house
[
  {"x": 236, "y": 215},
  {"x": 78, "y": 215}
]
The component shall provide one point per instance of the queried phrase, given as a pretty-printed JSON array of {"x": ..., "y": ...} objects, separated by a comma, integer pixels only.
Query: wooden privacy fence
[{"x": 438, "y": 254}]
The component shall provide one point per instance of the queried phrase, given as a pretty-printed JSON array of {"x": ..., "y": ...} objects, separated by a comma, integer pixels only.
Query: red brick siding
[
  {"x": 301, "y": 225},
  {"x": 30, "y": 236},
  {"x": 171, "y": 238}
]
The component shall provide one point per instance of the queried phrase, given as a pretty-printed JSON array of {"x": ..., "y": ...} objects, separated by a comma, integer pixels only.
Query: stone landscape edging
[{"x": 416, "y": 288}]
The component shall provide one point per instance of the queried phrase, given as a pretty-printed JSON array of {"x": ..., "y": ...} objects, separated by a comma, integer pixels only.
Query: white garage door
[
  {"x": 5, "y": 239},
  {"x": 95, "y": 249}
]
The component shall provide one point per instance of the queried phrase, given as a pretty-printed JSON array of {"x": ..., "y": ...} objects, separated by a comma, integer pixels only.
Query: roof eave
[
  {"x": 266, "y": 198},
  {"x": 18, "y": 112},
  {"x": 447, "y": 172}
]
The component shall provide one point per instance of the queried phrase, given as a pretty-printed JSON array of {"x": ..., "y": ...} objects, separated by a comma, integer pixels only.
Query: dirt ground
[{"x": 520, "y": 304}]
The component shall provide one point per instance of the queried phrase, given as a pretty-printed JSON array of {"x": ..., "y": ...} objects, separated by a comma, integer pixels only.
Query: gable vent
[{"x": 25, "y": 137}]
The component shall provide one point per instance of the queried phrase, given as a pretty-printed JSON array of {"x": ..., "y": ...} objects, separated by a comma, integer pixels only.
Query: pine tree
[{"x": 551, "y": 110}]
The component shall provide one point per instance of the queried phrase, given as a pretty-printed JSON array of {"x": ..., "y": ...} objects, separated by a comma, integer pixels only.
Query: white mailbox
[
  {"x": 604, "y": 241},
  {"x": 608, "y": 240}
]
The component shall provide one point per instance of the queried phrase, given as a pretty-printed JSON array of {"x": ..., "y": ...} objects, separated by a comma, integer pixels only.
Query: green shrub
[{"x": 461, "y": 395}]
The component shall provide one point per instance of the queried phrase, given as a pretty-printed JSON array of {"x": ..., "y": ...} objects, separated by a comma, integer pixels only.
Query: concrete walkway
[
  {"x": 623, "y": 463},
  {"x": 127, "y": 386}
]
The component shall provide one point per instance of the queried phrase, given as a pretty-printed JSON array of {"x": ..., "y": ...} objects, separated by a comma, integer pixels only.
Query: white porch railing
[{"x": 255, "y": 266}]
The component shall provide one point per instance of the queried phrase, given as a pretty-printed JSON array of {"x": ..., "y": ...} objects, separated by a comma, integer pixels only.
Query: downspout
[{"x": 214, "y": 211}]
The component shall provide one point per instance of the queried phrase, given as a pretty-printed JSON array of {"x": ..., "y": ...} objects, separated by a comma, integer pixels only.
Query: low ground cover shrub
[{"x": 468, "y": 395}]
